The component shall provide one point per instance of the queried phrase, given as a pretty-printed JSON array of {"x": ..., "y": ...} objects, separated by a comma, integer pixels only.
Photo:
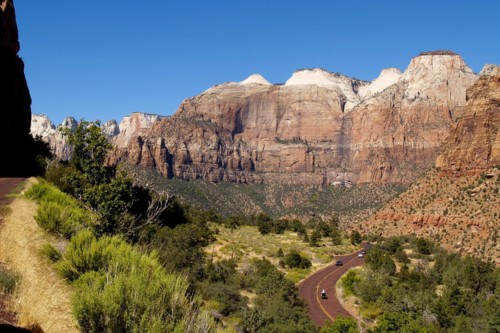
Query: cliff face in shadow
[{"x": 16, "y": 144}]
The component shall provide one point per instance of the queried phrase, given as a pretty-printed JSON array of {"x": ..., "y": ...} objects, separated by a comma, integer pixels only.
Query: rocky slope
[
  {"x": 458, "y": 204},
  {"x": 15, "y": 100},
  {"x": 317, "y": 128}
]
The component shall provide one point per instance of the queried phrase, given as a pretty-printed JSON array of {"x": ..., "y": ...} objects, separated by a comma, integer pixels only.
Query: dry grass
[
  {"x": 42, "y": 297},
  {"x": 246, "y": 243}
]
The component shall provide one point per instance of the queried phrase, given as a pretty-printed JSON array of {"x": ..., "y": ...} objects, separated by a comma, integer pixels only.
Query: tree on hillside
[
  {"x": 356, "y": 237},
  {"x": 90, "y": 149}
]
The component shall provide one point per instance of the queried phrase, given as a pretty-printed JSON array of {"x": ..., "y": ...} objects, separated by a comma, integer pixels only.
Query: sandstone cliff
[
  {"x": 317, "y": 128},
  {"x": 474, "y": 143},
  {"x": 120, "y": 135},
  {"x": 43, "y": 127},
  {"x": 15, "y": 100},
  {"x": 458, "y": 204}
]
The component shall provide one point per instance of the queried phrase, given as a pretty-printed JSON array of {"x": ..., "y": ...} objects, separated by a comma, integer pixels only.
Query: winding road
[{"x": 322, "y": 310}]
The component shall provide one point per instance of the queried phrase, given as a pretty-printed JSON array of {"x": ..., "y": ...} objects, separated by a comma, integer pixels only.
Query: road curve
[{"x": 322, "y": 310}]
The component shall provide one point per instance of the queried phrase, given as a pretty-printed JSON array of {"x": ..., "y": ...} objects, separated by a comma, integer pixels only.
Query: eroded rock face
[
  {"x": 474, "y": 143},
  {"x": 191, "y": 149},
  {"x": 395, "y": 135},
  {"x": 120, "y": 135},
  {"x": 43, "y": 127},
  {"x": 326, "y": 128},
  {"x": 133, "y": 126},
  {"x": 15, "y": 100}
]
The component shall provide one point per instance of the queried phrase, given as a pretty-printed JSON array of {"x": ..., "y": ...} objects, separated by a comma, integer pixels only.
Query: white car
[{"x": 361, "y": 255}]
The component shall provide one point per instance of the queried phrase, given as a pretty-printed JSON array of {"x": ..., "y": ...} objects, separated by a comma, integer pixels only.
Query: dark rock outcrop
[{"x": 16, "y": 144}]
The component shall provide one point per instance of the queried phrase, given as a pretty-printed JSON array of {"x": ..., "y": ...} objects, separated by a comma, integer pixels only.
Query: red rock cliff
[{"x": 320, "y": 127}]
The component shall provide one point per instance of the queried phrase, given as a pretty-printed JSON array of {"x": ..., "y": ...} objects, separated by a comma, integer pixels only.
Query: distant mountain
[
  {"x": 318, "y": 128},
  {"x": 458, "y": 204}
]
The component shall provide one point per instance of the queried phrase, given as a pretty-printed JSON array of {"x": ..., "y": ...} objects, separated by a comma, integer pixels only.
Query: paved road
[
  {"x": 7, "y": 185},
  {"x": 322, "y": 310}
]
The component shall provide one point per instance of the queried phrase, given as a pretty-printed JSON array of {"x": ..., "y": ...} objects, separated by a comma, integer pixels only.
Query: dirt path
[
  {"x": 6, "y": 186},
  {"x": 41, "y": 297},
  {"x": 322, "y": 310}
]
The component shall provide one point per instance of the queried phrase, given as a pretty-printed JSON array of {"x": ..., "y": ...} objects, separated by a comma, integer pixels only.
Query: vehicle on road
[
  {"x": 361, "y": 254},
  {"x": 339, "y": 263},
  {"x": 323, "y": 294}
]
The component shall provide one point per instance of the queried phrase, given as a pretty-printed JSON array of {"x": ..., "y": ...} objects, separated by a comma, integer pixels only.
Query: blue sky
[{"x": 106, "y": 59}]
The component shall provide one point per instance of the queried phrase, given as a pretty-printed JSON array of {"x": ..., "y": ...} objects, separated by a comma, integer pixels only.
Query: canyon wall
[{"x": 317, "y": 128}]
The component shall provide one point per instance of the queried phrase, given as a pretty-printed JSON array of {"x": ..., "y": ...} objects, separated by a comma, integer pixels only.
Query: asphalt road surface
[
  {"x": 322, "y": 310},
  {"x": 7, "y": 185}
]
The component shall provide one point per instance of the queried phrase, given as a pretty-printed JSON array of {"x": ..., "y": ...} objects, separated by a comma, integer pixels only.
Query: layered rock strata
[
  {"x": 474, "y": 143},
  {"x": 317, "y": 128}
]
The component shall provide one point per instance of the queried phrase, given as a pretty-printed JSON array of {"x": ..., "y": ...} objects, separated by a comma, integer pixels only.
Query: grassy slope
[
  {"x": 246, "y": 243},
  {"x": 42, "y": 297},
  {"x": 276, "y": 200}
]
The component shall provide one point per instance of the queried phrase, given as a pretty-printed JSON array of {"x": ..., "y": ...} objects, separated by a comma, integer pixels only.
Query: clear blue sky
[{"x": 106, "y": 59}]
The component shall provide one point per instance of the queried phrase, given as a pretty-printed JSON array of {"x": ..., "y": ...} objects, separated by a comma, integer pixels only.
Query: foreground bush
[
  {"x": 118, "y": 289},
  {"x": 8, "y": 280},
  {"x": 57, "y": 212}
]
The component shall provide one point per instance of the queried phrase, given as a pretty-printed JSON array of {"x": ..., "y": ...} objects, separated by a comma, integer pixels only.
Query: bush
[
  {"x": 49, "y": 251},
  {"x": 356, "y": 238},
  {"x": 8, "y": 280},
  {"x": 349, "y": 282},
  {"x": 118, "y": 289},
  {"x": 59, "y": 218},
  {"x": 57, "y": 212},
  {"x": 341, "y": 325},
  {"x": 295, "y": 260}
]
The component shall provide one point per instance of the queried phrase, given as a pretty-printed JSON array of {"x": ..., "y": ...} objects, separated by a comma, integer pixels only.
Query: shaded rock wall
[{"x": 15, "y": 101}]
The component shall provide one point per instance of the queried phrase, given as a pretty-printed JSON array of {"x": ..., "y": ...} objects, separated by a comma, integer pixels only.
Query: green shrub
[
  {"x": 8, "y": 280},
  {"x": 118, "y": 289},
  {"x": 349, "y": 282},
  {"x": 341, "y": 325},
  {"x": 295, "y": 260},
  {"x": 49, "y": 251},
  {"x": 57, "y": 213},
  {"x": 59, "y": 219}
]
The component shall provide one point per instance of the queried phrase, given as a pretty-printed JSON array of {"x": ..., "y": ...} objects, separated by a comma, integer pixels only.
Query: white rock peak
[
  {"x": 322, "y": 78},
  {"x": 315, "y": 76},
  {"x": 490, "y": 70},
  {"x": 387, "y": 78},
  {"x": 255, "y": 79}
]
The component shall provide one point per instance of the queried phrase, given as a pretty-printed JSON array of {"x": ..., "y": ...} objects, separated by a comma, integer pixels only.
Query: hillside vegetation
[
  {"x": 135, "y": 259},
  {"x": 273, "y": 199},
  {"x": 460, "y": 213},
  {"x": 409, "y": 284}
]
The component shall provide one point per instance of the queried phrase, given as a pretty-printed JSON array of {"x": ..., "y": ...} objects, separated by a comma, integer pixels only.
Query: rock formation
[
  {"x": 474, "y": 142},
  {"x": 317, "y": 128},
  {"x": 120, "y": 135},
  {"x": 15, "y": 101},
  {"x": 457, "y": 204},
  {"x": 43, "y": 127}
]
